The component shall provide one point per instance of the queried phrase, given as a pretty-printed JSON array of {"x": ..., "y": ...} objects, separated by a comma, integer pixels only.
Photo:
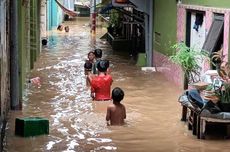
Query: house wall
[
  {"x": 4, "y": 62},
  {"x": 164, "y": 25},
  {"x": 208, "y": 3},
  {"x": 55, "y": 14},
  {"x": 210, "y": 7},
  {"x": 22, "y": 44},
  {"x": 28, "y": 39},
  {"x": 164, "y": 31},
  {"x": 165, "y": 35},
  {"x": 43, "y": 14},
  {"x": 209, "y": 14}
]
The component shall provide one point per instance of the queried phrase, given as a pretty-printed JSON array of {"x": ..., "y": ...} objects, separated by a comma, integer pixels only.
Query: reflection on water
[{"x": 78, "y": 124}]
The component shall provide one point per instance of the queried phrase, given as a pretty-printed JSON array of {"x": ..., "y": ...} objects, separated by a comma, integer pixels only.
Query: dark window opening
[
  {"x": 188, "y": 28},
  {"x": 214, "y": 39}
]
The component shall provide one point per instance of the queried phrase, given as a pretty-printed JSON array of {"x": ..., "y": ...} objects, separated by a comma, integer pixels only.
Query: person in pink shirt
[{"x": 101, "y": 84}]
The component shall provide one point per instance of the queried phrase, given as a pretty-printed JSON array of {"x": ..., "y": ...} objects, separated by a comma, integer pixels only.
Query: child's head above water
[
  {"x": 88, "y": 66},
  {"x": 60, "y": 27},
  {"x": 98, "y": 53},
  {"x": 67, "y": 29},
  {"x": 117, "y": 94},
  {"x": 107, "y": 63},
  {"x": 102, "y": 66},
  {"x": 91, "y": 56}
]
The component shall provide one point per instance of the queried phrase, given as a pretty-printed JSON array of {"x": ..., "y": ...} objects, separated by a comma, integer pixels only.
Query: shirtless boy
[{"x": 116, "y": 112}]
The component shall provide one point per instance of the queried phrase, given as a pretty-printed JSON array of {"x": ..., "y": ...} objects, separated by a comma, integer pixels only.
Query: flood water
[{"x": 77, "y": 123}]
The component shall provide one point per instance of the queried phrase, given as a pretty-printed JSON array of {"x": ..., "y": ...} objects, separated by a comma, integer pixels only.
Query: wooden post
[
  {"x": 184, "y": 109},
  {"x": 93, "y": 26}
]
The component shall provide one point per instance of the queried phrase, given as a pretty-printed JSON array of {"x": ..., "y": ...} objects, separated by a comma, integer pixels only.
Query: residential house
[{"x": 200, "y": 24}]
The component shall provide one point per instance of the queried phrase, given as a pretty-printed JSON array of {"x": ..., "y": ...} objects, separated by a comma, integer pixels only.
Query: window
[{"x": 214, "y": 39}]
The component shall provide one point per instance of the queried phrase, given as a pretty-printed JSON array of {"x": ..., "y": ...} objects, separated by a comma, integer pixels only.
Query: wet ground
[{"x": 77, "y": 123}]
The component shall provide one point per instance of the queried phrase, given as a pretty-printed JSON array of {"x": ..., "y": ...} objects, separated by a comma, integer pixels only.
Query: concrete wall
[
  {"x": 28, "y": 38},
  {"x": 165, "y": 26},
  {"x": 55, "y": 14},
  {"x": 43, "y": 15},
  {"x": 170, "y": 26},
  {"x": 22, "y": 36},
  {"x": 4, "y": 68},
  {"x": 208, "y": 3},
  {"x": 4, "y": 61}
]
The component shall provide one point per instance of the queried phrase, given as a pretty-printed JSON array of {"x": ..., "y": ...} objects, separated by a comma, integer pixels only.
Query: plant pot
[{"x": 225, "y": 107}]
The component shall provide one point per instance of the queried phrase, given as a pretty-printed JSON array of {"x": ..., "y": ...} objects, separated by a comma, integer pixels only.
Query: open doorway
[{"x": 195, "y": 29}]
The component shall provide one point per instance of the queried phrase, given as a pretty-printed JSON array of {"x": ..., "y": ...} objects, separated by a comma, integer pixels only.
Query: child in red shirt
[{"x": 101, "y": 84}]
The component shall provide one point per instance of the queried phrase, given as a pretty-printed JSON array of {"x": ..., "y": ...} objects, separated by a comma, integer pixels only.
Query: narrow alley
[{"x": 78, "y": 124}]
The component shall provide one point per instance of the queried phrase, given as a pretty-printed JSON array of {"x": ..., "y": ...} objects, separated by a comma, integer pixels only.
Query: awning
[
  {"x": 120, "y": 8},
  {"x": 107, "y": 8},
  {"x": 66, "y": 11}
]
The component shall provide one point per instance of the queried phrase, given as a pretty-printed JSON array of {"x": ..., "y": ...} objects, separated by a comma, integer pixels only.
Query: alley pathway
[{"x": 78, "y": 124}]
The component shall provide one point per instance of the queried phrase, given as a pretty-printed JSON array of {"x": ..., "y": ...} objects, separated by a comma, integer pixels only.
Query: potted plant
[
  {"x": 224, "y": 97},
  {"x": 188, "y": 58},
  {"x": 114, "y": 22}
]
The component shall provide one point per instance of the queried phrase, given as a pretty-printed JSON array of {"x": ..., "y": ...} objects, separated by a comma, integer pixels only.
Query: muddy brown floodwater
[{"x": 78, "y": 124}]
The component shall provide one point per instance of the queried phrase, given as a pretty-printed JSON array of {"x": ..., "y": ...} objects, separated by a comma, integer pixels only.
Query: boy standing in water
[{"x": 116, "y": 112}]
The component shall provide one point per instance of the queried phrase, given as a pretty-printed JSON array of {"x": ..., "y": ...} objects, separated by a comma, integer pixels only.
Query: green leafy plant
[
  {"x": 224, "y": 93},
  {"x": 114, "y": 18},
  {"x": 188, "y": 58}
]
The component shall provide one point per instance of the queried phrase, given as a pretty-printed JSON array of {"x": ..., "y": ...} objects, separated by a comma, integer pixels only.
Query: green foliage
[
  {"x": 187, "y": 57},
  {"x": 114, "y": 19},
  {"x": 224, "y": 93}
]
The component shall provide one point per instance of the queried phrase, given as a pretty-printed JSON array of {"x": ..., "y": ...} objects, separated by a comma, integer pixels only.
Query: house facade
[{"x": 200, "y": 24}]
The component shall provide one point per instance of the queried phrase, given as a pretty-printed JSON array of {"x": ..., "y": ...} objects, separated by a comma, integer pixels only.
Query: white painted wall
[
  {"x": 44, "y": 22},
  {"x": 197, "y": 38}
]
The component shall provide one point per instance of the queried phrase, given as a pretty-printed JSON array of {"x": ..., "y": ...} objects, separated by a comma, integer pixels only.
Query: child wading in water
[
  {"x": 116, "y": 112},
  {"x": 91, "y": 60},
  {"x": 91, "y": 57},
  {"x": 101, "y": 84},
  {"x": 88, "y": 71},
  {"x": 98, "y": 56}
]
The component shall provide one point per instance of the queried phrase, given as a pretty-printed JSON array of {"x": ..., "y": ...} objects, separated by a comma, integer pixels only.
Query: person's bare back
[{"x": 116, "y": 112}]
